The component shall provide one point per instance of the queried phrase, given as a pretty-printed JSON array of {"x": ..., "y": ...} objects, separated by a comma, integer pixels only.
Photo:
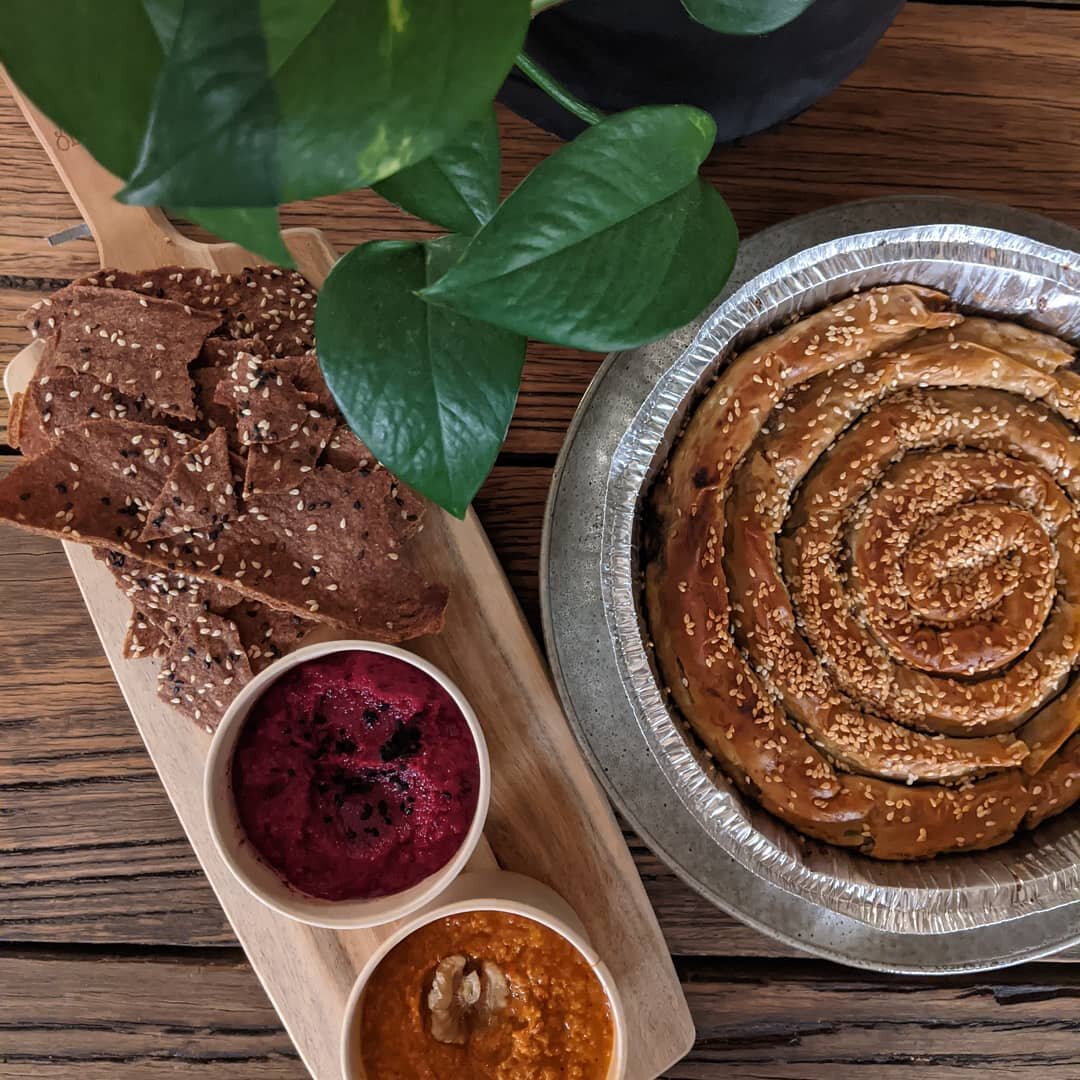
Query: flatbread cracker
[
  {"x": 274, "y": 306},
  {"x": 165, "y": 604},
  {"x": 269, "y": 407},
  {"x": 69, "y": 399},
  {"x": 198, "y": 496},
  {"x": 212, "y": 414},
  {"x": 345, "y": 452},
  {"x": 223, "y": 351},
  {"x": 203, "y": 290},
  {"x": 279, "y": 467},
  {"x": 15, "y": 419},
  {"x": 307, "y": 375},
  {"x": 265, "y": 633},
  {"x": 203, "y": 670},
  {"x": 334, "y": 553},
  {"x": 145, "y": 635},
  {"x": 277, "y": 307},
  {"x": 222, "y": 579},
  {"x": 95, "y": 483},
  {"x": 27, "y": 430},
  {"x": 139, "y": 346}
]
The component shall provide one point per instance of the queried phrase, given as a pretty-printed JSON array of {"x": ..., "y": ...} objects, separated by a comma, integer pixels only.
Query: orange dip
[{"x": 555, "y": 1022}]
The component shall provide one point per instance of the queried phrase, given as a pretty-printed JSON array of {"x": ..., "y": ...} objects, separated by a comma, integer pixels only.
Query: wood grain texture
[
  {"x": 792, "y": 1020},
  {"x": 100, "y": 1015}
]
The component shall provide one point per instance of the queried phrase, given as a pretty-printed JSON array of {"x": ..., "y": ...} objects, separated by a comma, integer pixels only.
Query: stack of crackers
[{"x": 179, "y": 423}]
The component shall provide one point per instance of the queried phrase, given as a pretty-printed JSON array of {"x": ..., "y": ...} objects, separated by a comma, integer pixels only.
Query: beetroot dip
[{"x": 355, "y": 776}]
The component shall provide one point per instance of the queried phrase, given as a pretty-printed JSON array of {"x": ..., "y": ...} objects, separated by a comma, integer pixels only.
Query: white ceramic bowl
[
  {"x": 261, "y": 880},
  {"x": 492, "y": 890}
]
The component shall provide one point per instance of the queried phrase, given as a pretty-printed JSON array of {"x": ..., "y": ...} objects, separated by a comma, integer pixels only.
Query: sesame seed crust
[{"x": 862, "y": 575}]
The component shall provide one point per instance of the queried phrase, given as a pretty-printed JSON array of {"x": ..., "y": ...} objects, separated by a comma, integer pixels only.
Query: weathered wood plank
[
  {"x": 33, "y": 206},
  {"x": 796, "y": 1020},
  {"x": 100, "y": 1015}
]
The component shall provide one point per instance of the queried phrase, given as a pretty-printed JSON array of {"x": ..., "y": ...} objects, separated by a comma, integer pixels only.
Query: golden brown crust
[
  {"x": 864, "y": 579},
  {"x": 1042, "y": 351}
]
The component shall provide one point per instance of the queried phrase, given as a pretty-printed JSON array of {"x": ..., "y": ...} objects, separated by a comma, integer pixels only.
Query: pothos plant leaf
[
  {"x": 165, "y": 16},
  {"x": 430, "y": 392},
  {"x": 458, "y": 185},
  {"x": 603, "y": 246},
  {"x": 745, "y": 16},
  {"x": 95, "y": 79},
  {"x": 256, "y": 228},
  {"x": 264, "y": 101},
  {"x": 110, "y": 67}
]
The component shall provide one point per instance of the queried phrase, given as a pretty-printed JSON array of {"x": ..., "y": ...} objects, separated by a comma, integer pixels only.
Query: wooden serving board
[{"x": 548, "y": 816}]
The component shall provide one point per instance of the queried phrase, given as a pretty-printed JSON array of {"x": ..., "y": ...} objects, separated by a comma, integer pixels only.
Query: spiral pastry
[{"x": 862, "y": 575}]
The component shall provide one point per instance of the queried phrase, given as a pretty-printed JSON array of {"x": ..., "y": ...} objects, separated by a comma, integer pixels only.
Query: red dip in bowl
[{"x": 355, "y": 776}]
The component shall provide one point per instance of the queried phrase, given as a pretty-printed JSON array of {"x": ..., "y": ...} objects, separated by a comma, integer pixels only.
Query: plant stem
[{"x": 556, "y": 90}]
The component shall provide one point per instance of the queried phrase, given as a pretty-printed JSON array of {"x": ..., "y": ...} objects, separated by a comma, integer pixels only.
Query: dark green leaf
[
  {"x": 458, "y": 186},
  {"x": 165, "y": 15},
  {"x": 109, "y": 67},
  {"x": 93, "y": 75},
  {"x": 612, "y": 241},
  {"x": 745, "y": 16},
  {"x": 262, "y": 103},
  {"x": 256, "y": 229},
  {"x": 429, "y": 391}
]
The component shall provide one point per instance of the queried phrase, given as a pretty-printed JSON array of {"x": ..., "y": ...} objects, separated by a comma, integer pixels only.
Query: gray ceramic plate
[{"x": 602, "y": 713}]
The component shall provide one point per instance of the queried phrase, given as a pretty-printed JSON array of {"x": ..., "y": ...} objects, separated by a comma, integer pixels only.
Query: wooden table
[{"x": 115, "y": 960}]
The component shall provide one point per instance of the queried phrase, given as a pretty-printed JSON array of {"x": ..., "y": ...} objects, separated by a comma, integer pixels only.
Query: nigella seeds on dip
[{"x": 355, "y": 776}]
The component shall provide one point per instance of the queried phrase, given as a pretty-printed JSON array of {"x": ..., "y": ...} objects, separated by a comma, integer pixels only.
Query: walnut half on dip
[
  {"x": 485, "y": 994},
  {"x": 465, "y": 996}
]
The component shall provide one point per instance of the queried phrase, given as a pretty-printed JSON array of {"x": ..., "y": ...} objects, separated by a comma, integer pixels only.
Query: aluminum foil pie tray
[{"x": 957, "y": 913}]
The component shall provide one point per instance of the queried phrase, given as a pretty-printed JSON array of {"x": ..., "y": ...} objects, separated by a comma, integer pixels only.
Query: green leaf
[
  {"x": 745, "y": 16},
  {"x": 109, "y": 68},
  {"x": 611, "y": 241},
  {"x": 457, "y": 186},
  {"x": 165, "y": 16},
  {"x": 255, "y": 228},
  {"x": 90, "y": 71},
  {"x": 264, "y": 102},
  {"x": 430, "y": 392}
]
